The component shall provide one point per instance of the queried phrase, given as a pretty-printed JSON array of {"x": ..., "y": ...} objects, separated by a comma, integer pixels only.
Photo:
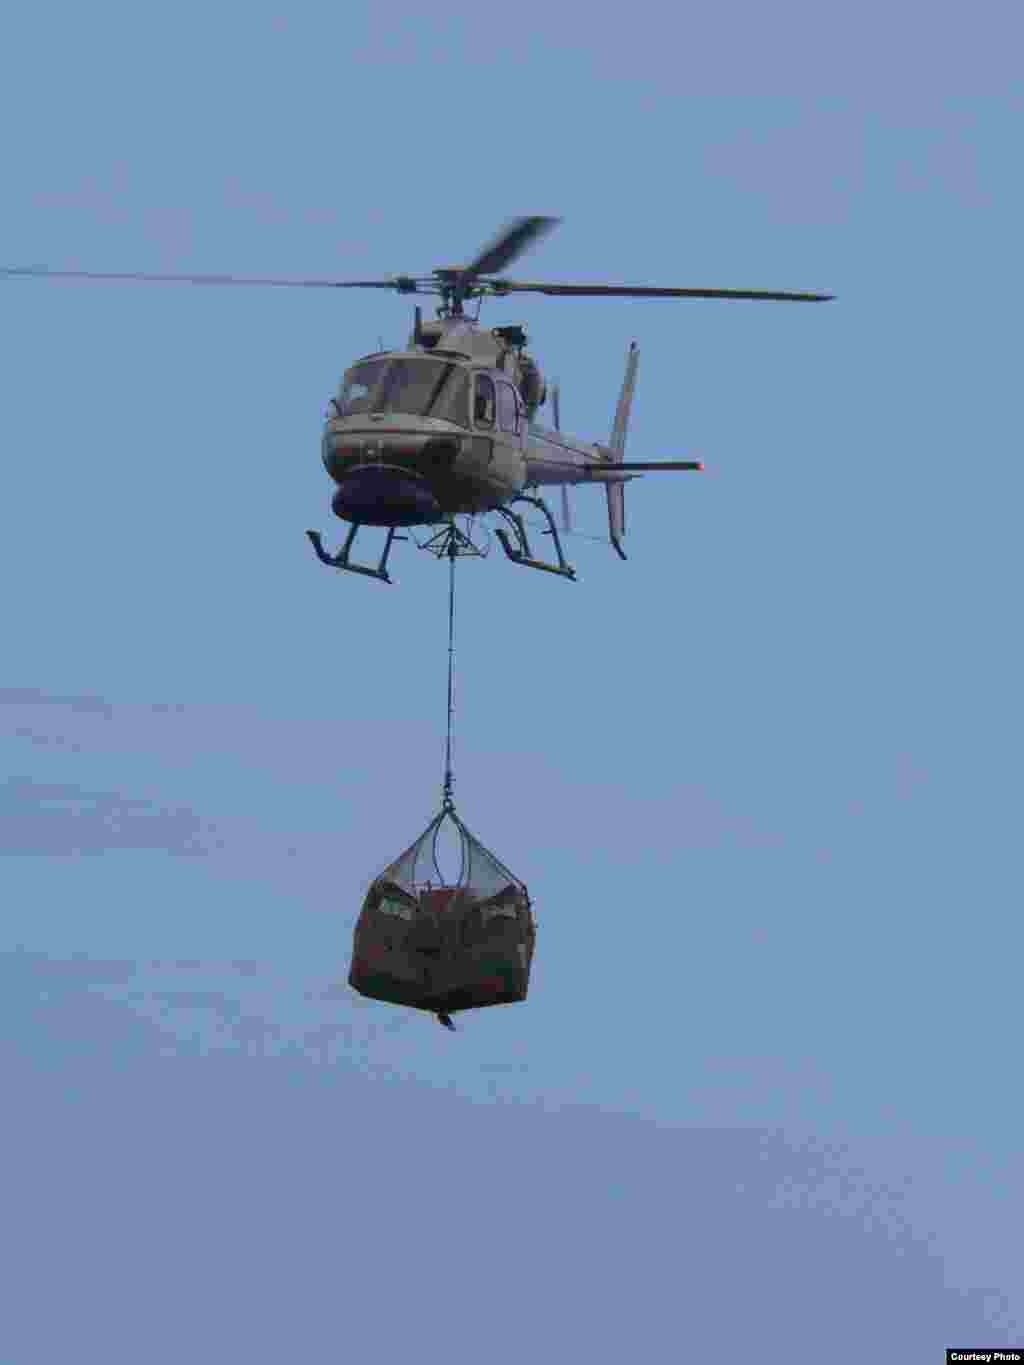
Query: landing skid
[
  {"x": 520, "y": 553},
  {"x": 341, "y": 559}
]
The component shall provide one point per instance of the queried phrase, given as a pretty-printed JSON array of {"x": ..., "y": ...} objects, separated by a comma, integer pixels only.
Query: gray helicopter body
[{"x": 448, "y": 426}]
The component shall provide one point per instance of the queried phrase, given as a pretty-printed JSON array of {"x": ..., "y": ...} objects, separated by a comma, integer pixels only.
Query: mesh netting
[
  {"x": 438, "y": 944},
  {"x": 419, "y": 867}
]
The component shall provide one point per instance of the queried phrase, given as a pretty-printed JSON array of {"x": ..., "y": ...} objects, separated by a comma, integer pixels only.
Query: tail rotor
[
  {"x": 556, "y": 411},
  {"x": 617, "y": 450}
]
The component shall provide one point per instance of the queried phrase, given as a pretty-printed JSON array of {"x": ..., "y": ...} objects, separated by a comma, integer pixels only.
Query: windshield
[
  {"x": 357, "y": 387},
  {"x": 420, "y": 388}
]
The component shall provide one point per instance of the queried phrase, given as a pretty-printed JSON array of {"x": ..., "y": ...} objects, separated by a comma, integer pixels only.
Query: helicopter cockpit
[{"x": 414, "y": 386}]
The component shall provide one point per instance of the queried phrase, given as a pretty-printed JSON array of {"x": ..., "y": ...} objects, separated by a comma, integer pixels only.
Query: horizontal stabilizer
[
  {"x": 647, "y": 466},
  {"x": 617, "y": 473}
]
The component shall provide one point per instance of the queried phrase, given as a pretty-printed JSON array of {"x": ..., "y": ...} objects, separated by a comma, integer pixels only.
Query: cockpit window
[
  {"x": 357, "y": 387},
  {"x": 453, "y": 402},
  {"x": 417, "y": 387}
]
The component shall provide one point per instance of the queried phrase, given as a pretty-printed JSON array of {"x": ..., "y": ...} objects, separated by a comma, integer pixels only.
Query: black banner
[{"x": 985, "y": 1355}]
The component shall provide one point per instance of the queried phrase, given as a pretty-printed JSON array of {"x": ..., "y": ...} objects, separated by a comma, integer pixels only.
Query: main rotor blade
[
  {"x": 643, "y": 292},
  {"x": 42, "y": 270},
  {"x": 509, "y": 244}
]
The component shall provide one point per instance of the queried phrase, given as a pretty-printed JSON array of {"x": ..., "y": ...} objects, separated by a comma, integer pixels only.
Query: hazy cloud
[
  {"x": 31, "y": 696},
  {"x": 57, "y": 819},
  {"x": 146, "y": 1161},
  {"x": 78, "y": 970}
]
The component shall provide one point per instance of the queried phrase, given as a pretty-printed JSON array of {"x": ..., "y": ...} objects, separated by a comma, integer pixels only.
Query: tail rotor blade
[{"x": 556, "y": 412}]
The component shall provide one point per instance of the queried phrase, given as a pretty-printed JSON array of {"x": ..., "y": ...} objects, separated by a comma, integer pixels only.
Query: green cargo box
[{"x": 463, "y": 953}]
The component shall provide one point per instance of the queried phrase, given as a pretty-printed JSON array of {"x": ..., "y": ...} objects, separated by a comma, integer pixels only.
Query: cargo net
[{"x": 441, "y": 945}]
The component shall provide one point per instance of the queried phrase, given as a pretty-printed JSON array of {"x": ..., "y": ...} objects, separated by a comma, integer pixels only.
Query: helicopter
[{"x": 449, "y": 426}]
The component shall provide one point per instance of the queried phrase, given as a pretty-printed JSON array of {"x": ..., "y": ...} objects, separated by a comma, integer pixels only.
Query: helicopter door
[
  {"x": 508, "y": 412},
  {"x": 484, "y": 402}
]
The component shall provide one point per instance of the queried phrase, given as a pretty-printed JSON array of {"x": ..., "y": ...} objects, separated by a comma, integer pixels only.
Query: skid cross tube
[
  {"x": 521, "y": 553},
  {"x": 341, "y": 560}
]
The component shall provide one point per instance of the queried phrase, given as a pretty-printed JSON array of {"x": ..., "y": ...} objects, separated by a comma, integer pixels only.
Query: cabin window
[
  {"x": 508, "y": 408},
  {"x": 484, "y": 401}
]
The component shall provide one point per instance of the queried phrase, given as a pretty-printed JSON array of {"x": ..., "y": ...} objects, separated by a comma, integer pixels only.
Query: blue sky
[{"x": 762, "y": 780}]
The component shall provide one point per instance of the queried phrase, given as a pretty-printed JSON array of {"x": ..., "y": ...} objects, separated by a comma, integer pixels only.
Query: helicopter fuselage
[{"x": 396, "y": 468}]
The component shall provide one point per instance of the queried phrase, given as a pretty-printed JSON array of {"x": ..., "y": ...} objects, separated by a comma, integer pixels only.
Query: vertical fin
[
  {"x": 620, "y": 425},
  {"x": 617, "y": 449}
]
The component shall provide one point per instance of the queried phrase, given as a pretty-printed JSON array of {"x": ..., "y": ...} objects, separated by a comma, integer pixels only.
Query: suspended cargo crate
[{"x": 444, "y": 946}]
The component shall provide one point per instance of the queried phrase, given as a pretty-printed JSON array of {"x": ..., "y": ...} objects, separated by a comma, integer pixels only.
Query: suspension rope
[{"x": 449, "y": 780}]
